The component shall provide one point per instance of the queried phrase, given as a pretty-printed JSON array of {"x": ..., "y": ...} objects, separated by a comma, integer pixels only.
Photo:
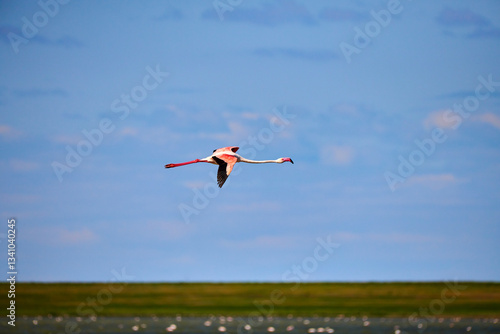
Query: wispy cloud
[
  {"x": 82, "y": 236},
  {"x": 463, "y": 94},
  {"x": 39, "y": 92},
  {"x": 490, "y": 119},
  {"x": 394, "y": 237},
  {"x": 433, "y": 181},
  {"x": 438, "y": 119},
  {"x": 488, "y": 32},
  {"x": 168, "y": 230},
  {"x": 60, "y": 235},
  {"x": 237, "y": 131},
  {"x": 64, "y": 41},
  {"x": 269, "y": 13},
  {"x": 8, "y": 132},
  {"x": 266, "y": 206},
  {"x": 337, "y": 14},
  {"x": 66, "y": 139},
  {"x": 461, "y": 17},
  {"x": 23, "y": 165},
  {"x": 263, "y": 242},
  {"x": 301, "y": 54},
  {"x": 337, "y": 155},
  {"x": 466, "y": 23},
  {"x": 129, "y": 131},
  {"x": 170, "y": 13}
]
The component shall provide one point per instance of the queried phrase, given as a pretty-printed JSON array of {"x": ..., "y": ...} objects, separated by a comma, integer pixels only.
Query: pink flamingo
[{"x": 226, "y": 157}]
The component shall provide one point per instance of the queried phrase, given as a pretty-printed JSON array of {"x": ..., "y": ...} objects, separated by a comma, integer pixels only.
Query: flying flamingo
[{"x": 226, "y": 157}]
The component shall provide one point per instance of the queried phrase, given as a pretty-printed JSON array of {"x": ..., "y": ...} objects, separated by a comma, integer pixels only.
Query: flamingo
[{"x": 226, "y": 157}]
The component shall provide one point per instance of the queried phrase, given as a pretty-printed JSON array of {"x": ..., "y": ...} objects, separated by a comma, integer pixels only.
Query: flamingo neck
[{"x": 258, "y": 161}]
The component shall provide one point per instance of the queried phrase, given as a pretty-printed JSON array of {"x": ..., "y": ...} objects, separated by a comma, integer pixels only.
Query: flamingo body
[{"x": 226, "y": 158}]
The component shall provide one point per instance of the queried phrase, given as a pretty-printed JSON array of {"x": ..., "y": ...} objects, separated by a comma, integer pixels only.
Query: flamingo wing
[{"x": 226, "y": 163}]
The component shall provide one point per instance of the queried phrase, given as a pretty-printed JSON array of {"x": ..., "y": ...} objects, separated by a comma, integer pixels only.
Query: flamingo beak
[{"x": 288, "y": 159}]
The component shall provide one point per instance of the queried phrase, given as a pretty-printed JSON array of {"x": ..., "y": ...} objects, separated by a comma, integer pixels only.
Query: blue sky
[{"x": 390, "y": 111}]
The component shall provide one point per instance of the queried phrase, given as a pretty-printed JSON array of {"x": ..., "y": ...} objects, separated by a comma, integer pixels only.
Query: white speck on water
[{"x": 171, "y": 328}]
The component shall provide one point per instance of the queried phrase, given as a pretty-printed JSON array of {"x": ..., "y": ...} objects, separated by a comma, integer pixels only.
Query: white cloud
[{"x": 337, "y": 155}]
